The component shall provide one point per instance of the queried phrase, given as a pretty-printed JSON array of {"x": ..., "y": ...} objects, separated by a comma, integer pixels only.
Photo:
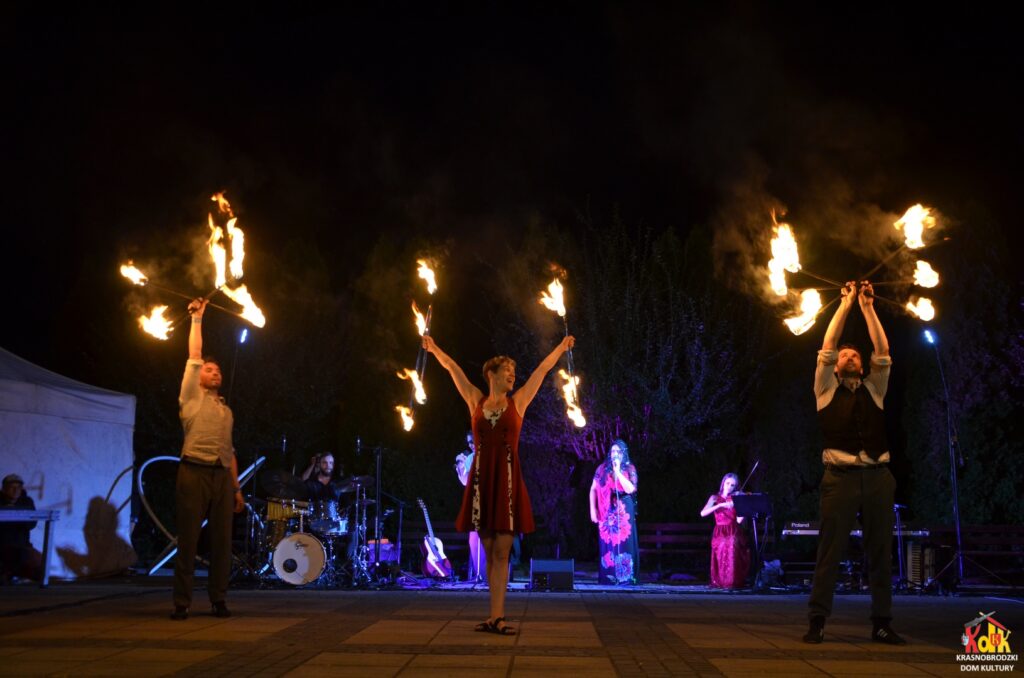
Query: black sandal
[
  {"x": 505, "y": 630},
  {"x": 483, "y": 627}
]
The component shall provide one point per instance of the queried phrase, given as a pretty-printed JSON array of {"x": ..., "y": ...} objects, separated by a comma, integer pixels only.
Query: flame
[
  {"x": 913, "y": 223},
  {"x": 407, "y": 420},
  {"x": 810, "y": 305},
  {"x": 217, "y": 252},
  {"x": 553, "y": 299},
  {"x": 421, "y": 321},
  {"x": 156, "y": 324},
  {"x": 237, "y": 248},
  {"x": 925, "y": 275},
  {"x": 222, "y": 203},
  {"x": 569, "y": 392},
  {"x": 417, "y": 385},
  {"x": 922, "y": 308},
  {"x": 784, "y": 258},
  {"x": 425, "y": 272},
  {"x": 250, "y": 311},
  {"x": 135, "y": 275}
]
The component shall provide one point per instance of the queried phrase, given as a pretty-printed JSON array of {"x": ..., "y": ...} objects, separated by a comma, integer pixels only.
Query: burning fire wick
[{"x": 422, "y": 356}]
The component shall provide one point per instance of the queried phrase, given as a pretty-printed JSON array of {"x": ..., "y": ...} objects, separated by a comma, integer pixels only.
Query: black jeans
[{"x": 844, "y": 491}]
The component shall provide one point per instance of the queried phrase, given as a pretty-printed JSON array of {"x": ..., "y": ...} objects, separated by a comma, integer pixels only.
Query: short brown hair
[{"x": 494, "y": 363}]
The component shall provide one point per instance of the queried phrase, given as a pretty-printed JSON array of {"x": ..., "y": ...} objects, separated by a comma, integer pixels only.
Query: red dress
[
  {"x": 495, "y": 497},
  {"x": 730, "y": 557}
]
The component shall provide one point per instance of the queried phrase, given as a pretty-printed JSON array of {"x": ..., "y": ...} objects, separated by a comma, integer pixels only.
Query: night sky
[{"x": 339, "y": 128}]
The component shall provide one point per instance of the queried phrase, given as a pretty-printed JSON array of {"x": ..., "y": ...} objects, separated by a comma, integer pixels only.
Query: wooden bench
[
  {"x": 997, "y": 549},
  {"x": 674, "y": 545}
]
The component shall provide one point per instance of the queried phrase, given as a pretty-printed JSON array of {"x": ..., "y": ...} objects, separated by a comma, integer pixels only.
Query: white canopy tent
[{"x": 70, "y": 442}]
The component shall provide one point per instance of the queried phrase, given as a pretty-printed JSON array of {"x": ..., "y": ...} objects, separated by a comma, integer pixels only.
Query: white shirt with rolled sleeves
[
  {"x": 825, "y": 385},
  {"x": 207, "y": 421}
]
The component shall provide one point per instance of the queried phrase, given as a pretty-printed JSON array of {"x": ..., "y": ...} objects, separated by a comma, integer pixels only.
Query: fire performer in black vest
[{"x": 856, "y": 459}]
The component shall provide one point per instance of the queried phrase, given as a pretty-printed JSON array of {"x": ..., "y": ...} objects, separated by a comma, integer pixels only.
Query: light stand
[{"x": 954, "y": 458}]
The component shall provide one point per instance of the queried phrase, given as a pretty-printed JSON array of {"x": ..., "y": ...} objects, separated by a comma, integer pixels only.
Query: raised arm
[
  {"x": 525, "y": 395},
  {"x": 838, "y": 322},
  {"x": 470, "y": 393},
  {"x": 867, "y": 306},
  {"x": 195, "y": 335}
]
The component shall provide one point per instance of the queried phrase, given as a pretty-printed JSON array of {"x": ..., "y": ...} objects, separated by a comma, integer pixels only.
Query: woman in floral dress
[{"x": 613, "y": 508}]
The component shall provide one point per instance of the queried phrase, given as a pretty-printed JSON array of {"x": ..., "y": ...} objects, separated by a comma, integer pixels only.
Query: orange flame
[
  {"x": 913, "y": 223},
  {"x": 237, "y": 248},
  {"x": 421, "y": 321},
  {"x": 925, "y": 275},
  {"x": 810, "y": 305},
  {"x": 570, "y": 393},
  {"x": 417, "y": 386},
  {"x": 922, "y": 308},
  {"x": 222, "y": 204},
  {"x": 156, "y": 324},
  {"x": 135, "y": 275},
  {"x": 784, "y": 258},
  {"x": 217, "y": 252},
  {"x": 407, "y": 420},
  {"x": 250, "y": 311},
  {"x": 425, "y": 272},
  {"x": 553, "y": 298}
]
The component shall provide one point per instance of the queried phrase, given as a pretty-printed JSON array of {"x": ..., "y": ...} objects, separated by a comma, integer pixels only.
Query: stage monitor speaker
[{"x": 552, "y": 575}]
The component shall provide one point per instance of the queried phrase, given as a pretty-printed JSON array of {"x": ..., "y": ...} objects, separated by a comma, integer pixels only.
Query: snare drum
[
  {"x": 285, "y": 509},
  {"x": 326, "y": 519},
  {"x": 299, "y": 559}
]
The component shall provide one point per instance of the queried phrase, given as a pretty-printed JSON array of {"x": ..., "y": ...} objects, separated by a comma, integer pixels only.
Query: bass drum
[{"x": 299, "y": 559}]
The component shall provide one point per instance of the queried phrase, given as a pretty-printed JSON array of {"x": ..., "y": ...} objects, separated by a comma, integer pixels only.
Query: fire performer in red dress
[
  {"x": 495, "y": 502},
  {"x": 856, "y": 458}
]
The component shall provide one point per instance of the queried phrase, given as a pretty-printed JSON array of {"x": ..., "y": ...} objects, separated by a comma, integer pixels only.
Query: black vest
[{"x": 853, "y": 422}]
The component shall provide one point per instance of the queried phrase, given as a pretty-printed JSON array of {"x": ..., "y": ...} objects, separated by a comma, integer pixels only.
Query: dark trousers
[
  {"x": 203, "y": 492},
  {"x": 843, "y": 492}
]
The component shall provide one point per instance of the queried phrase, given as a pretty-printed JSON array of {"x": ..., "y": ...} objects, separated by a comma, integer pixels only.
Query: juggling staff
[
  {"x": 131, "y": 272},
  {"x": 415, "y": 375},
  {"x": 553, "y": 299},
  {"x": 160, "y": 327}
]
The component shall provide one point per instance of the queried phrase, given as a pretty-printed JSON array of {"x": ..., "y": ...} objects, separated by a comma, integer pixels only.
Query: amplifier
[{"x": 552, "y": 575}]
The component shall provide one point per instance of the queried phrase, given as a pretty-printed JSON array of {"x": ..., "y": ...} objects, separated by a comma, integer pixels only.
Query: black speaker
[{"x": 552, "y": 575}]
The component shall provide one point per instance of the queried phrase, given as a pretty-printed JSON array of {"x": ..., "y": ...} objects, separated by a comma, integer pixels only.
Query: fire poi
[
  {"x": 422, "y": 322},
  {"x": 554, "y": 300},
  {"x": 157, "y": 325},
  {"x": 785, "y": 258}
]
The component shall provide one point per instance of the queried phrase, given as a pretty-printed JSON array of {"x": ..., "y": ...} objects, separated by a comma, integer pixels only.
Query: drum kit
[{"x": 299, "y": 542}]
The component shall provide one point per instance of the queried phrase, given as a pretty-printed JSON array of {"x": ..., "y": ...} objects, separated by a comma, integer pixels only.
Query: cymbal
[
  {"x": 280, "y": 483},
  {"x": 356, "y": 482},
  {"x": 366, "y": 502}
]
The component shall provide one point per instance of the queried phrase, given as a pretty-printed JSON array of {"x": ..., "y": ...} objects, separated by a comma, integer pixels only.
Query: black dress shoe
[
  {"x": 816, "y": 631},
  {"x": 221, "y": 610},
  {"x": 180, "y": 613},
  {"x": 884, "y": 634}
]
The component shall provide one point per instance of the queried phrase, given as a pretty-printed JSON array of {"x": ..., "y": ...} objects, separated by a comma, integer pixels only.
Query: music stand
[{"x": 755, "y": 505}]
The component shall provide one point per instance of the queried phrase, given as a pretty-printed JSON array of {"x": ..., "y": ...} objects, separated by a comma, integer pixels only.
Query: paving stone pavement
[{"x": 81, "y": 629}]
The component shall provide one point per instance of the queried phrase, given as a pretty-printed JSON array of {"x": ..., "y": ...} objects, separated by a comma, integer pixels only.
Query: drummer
[{"x": 321, "y": 485}]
